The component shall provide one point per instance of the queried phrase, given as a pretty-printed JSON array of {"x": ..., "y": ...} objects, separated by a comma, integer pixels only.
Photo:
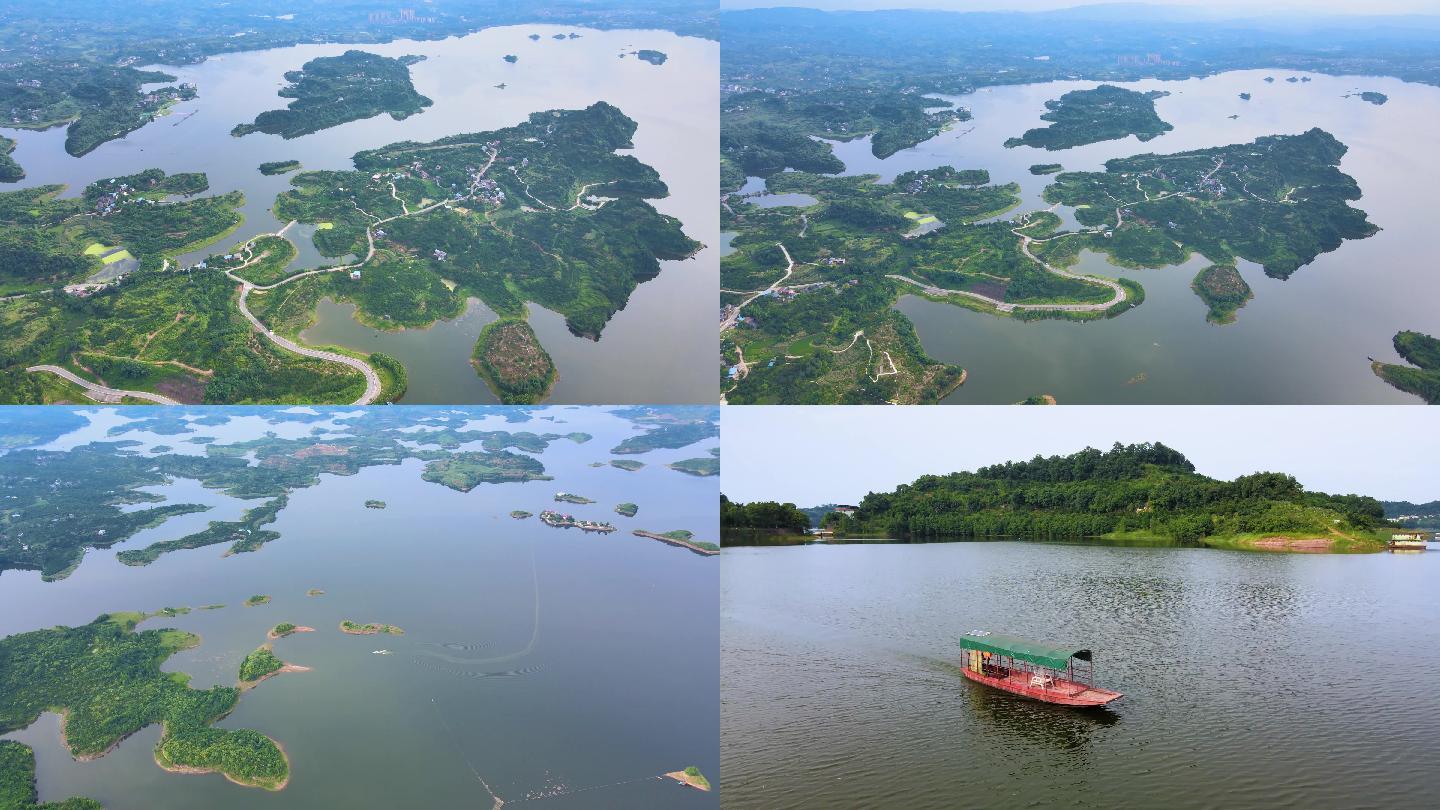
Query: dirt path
[{"x": 733, "y": 316}]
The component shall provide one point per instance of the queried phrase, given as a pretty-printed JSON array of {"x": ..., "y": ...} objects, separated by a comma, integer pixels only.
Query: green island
[
  {"x": 521, "y": 514},
  {"x": 210, "y": 607},
  {"x": 284, "y": 629},
  {"x": 1371, "y": 96},
  {"x": 1279, "y": 201},
  {"x": 682, "y": 539},
  {"x": 465, "y": 471},
  {"x": 690, "y": 777},
  {"x": 1038, "y": 399},
  {"x": 570, "y": 497},
  {"x": 259, "y": 664},
  {"x": 1046, "y": 168},
  {"x": 512, "y": 362},
  {"x": 1223, "y": 290},
  {"x": 700, "y": 467},
  {"x": 332, "y": 90},
  {"x": 764, "y": 133},
  {"x": 1244, "y": 96},
  {"x": 370, "y": 629},
  {"x": 653, "y": 57},
  {"x": 626, "y": 464},
  {"x": 257, "y": 599},
  {"x": 10, "y": 171},
  {"x": 374, "y": 504},
  {"x": 558, "y": 520},
  {"x": 1105, "y": 113},
  {"x": 1423, "y": 378},
  {"x": 104, "y": 678},
  {"x": 511, "y": 58},
  {"x": 666, "y": 429},
  {"x": 1140, "y": 493},
  {"x": 626, "y": 509},
  {"x": 315, "y": 592},
  {"x": 274, "y": 167}
]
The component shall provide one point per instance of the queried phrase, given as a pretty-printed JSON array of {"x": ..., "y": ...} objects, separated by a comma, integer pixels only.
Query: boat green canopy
[{"x": 1033, "y": 651}]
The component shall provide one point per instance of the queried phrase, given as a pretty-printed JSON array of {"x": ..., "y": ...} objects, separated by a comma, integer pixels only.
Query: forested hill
[
  {"x": 1140, "y": 489},
  {"x": 1414, "y": 515}
]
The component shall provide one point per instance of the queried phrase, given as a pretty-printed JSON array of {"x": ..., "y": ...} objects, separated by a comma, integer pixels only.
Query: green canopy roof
[{"x": 1033, "y": 651}]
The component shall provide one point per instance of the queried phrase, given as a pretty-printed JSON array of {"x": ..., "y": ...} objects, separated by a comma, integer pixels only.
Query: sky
[
  {"x": 816, "y": 455},
  {"x": 1239, "y": 7}
]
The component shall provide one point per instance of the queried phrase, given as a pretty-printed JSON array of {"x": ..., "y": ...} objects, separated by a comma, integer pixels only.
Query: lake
[
  {"x": 649, "y": 352},
  {"x": 1303, "y": 340},
  {"x": 1250, "y": 679},
  {"x": 545, "y": 662}
]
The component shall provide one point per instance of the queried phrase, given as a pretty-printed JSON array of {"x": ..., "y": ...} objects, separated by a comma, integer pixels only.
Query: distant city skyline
[
  {"x": 816, "y": 455},
  {"x": 1246, "y": 8}
]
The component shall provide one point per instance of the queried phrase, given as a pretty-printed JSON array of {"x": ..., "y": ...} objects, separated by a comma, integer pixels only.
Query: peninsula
[
  {"x": 1140, "y": 493},
  {"x": 682, "y": 539},
  {"x": 105, "y": 679},
  {"x": 334, "y": 90},
  {"x": 1423, "y": 379}
]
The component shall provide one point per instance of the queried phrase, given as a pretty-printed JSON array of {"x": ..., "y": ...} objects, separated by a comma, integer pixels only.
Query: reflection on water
[
  {"x": 1250, "y": 680},
  {"x": 675, "y": 105},
  {"x": 1303, "y": 340}
]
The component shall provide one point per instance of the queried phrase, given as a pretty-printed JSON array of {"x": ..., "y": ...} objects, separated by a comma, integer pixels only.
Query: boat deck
[{"x": 1068, "y": 693}]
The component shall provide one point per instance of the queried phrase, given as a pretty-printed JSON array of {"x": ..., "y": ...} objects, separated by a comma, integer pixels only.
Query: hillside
[
  {"x": 1142, "y": 491},
  {"x": 1413, "y": 515}
]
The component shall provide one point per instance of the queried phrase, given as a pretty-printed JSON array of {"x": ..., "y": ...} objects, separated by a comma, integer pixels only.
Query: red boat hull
[{"x": 1061, "y": 692}]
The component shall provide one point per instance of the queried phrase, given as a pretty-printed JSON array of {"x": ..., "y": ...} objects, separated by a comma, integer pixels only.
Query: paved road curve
[
  {"x": 100, "y": 393},
  {"x": 372, "y": 380}
]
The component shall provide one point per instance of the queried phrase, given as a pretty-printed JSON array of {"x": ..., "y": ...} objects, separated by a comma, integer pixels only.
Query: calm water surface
[
  {"x": 1250, "y": 680},
  {"x": 541, "y": 660},
  {"x": 1304, "y": 340},
  {"x": 675, "y": 106}
]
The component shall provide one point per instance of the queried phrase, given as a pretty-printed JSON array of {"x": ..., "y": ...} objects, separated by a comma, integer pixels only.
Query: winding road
[{"x": 101, "y": 393}]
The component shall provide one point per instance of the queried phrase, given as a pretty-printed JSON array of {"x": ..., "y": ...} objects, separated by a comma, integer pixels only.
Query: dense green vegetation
[
  {"x": 334, "y": 90},
  {"x": 266, "y": 260},
  {"x": 520, "y": 514},
  {"x": 765, "y": 133},
  {"x": 626, "y": 509},
  {"x": 10, "y": 171},
  {"x": 274, "y": 167},
  {"x": 763, "y": 515},
  {"x": 372, "y": 628},
  {"x": 259, "y": 663},
  {"x": 652, "y": 56},
  {"x": 17, "y": 782},
  {"x": 510, "y": 358},
  {"x": 626, "y": 464},
  {"x": 1414, "y": 515},
  {"x": 544, "y": 211},
  {"x": 1223, "y": 290},
  {"x": 1046, "y": 168},
  {"x": 278, "y": 631},
  {"x": 465, "y": 471},
  {"x": 257, "y": 599},
  {"x": 244, "y": 535},
  {"x": 1279, "y": 201},
  {"x": 670, "y": 436},
  {"x": 1142, "y": 490},
  {"x": 1373, "y": 97},
  {"x": 374, "y": 504},
  {"x": 1424, "y": 379},
  {"x": 1106, "y": 113},
  {"x": 106, "y": 679},
  {"x": 570, "y": 497},
  {"x": 702, "y": 467}
]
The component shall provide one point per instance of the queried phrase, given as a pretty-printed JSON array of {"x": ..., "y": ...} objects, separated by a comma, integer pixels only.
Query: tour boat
[{"x": 1062, "y": 675}]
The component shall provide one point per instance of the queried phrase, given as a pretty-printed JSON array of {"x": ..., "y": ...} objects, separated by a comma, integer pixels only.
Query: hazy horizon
[
  {"x": 1217, "y": 8},
  {"x": 817, "y": 455}
]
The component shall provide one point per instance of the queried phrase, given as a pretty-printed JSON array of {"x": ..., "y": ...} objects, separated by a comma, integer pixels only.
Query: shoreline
[
  {"x": 246, "y": 686},
  {"x": 704, "y": 552},
  {"x": 301, "y": 629},
  {"x": 172, "y": 767}
]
